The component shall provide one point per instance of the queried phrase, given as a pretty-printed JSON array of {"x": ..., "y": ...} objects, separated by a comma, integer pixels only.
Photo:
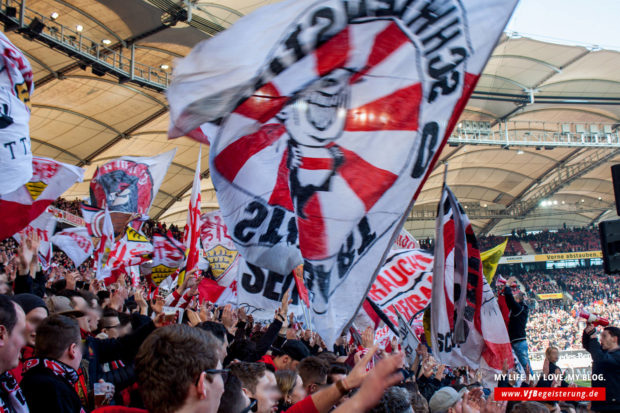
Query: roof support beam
[
  {"x": 123, "y": 85},
  {"x": 58, "y": 148},
  {"x": 40, "y": 63},
  {"x": 493, "y": 222},
  {"x": 122, "y": 135},
  {"x": 81, "y": 115}
]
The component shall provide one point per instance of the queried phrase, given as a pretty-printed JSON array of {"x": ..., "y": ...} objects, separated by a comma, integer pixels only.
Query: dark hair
[
  {"x": 336, "y": 368},
  {"x": 313, "y": 370},
  {"x": 232, "y": 398},
  {"x": 102, "y": 296},
  {"x": 169, "y": 361},
  {"x": 217, "y": 329},
  {"x": 242, "y": 350},
  {"x": 613, "y": 331},
  {"x": 248, "y": 373},
  {"x": 55, "y": 335},
  {"x": 8, "y": 313},
  {"x": 394, "y": 400},
  {"x": 529, "y": 407}
]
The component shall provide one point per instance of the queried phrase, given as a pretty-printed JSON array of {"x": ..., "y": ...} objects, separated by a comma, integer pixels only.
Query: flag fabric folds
[
  {"x": 405, "y": 241},
  {"x": 49, "y": 179},
  {"x": 490, "y": 260},
  {"x": 76, "y": 243},
  {"x": 466, "y": 323},
  {"x": 16, "y": 85},
  {"x": 104, "y": 246},
  {"x": 329, "y": 124},
  {"x": 219, "y": 248},
  {"x": 168, "y": 257},
  {"x": 44, "y": 226},
  {"x": 129, "y": 184},
  {"x": 404, "y": 283},
  {"x": 409, "y": 341},
  {"x": 191, "y": 236}
]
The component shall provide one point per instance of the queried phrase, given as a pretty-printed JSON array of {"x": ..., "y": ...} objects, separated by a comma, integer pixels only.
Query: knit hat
[{"x": 29, "y": 302}]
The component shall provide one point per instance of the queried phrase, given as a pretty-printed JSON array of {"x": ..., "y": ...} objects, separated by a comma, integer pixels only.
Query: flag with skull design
[{"x": 324, "y": 128}]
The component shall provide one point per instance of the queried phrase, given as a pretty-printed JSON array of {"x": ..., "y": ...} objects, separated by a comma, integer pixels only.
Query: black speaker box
[{"x": 610, "y": 245}]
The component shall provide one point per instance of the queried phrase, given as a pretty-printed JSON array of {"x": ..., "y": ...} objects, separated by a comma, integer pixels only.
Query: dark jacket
[
  {"x": 519, "y": 313},
  {"x": 607, "y": 364},
  {"x": 49, "y": 392}
]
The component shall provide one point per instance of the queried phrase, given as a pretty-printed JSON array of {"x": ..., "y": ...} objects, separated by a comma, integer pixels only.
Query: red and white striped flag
[
  {"x": 50, "y": 179},
  {"x": 328, "y": 125},
  {"x": 467, "y": 328},
  {"x": 191, "y": 237}
]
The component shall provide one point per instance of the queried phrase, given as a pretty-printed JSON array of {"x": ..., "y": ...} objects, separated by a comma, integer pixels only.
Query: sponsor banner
[
  {"x": 550, "y": 296},
  {"x": 569, "y": 256},
  {"x": 518, "y": 259},
  {"x": 129, "y": 184},
  {"x": 404, "y": 283},
  {"x": 329, "y": 124},
  {"x": 16, "y": 87}
]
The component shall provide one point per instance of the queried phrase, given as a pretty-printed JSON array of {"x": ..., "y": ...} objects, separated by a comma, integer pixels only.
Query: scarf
[
  {"x": 11, "y": 398},
  {"x": 56, "y": 367}
]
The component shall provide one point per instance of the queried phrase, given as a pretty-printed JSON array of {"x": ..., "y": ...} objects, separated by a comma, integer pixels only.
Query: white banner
[
  {"x": 404, "y": 283},
  {"x": 16, "y": 87},
  {"x": 76, "y": 243}
]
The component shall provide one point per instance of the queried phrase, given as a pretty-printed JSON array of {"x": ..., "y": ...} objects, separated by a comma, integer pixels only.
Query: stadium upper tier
[{"x": 532, "y": 150}]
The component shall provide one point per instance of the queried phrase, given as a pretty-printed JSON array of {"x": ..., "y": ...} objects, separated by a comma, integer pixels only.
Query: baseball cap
[
  {"x": 295, "y": 349},
  {"x": 62, "y": 305},
  {"x": 445, "y": 398}
]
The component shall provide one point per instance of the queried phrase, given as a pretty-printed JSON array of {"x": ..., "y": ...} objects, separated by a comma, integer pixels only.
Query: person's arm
[
  {"x": 512, "y": 304},
  {"x": 592, "y": 346},
  {"x": 124, "y": 348},
  {"x": 385, "y": 374}
]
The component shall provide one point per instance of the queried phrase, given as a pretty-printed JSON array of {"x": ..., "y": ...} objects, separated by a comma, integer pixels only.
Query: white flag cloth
[
  {"x": 191, "y": 236},
  {"x": 16, "y": 87},
  {"x": 409, "y": 341},
  {"x": 404, "y": 283},
  {"x": 44, "y": 226},
  {"x": 168, "y": 257},
  {"x": 104, "y": 247},
  {"x": 76, "y": 243},
  {"x": 49, "y": 180},
  {"x": 405, "y": 241},
  {"x": 466, "y": 323},
  {"x": 329, "y": 123},
  {"x": 129, "y": 184},
  {"x": 219, "y": 248}
]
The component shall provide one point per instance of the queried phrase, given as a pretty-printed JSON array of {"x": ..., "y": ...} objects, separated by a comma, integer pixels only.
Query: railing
[
  {"x": 537, "y": 134},
  {"x": 103, "y": 59}
]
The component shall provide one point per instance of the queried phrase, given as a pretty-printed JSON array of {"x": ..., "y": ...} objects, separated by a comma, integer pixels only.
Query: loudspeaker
[
  {"x": 610, "y": 245},
  {"x": 615, "y": 177},
  {"x": 36, "y": 26}
]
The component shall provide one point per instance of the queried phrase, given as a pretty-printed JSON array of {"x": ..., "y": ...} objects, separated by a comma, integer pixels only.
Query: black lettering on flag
[
  {"x": 273, "y": 279},
  {"x": 430, "y": 133},
  {"x": 253, "y": 286},
  {"x": 240, "y": 229}
]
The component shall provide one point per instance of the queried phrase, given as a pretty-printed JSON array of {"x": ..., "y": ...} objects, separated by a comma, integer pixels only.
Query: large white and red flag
[
  {"x": 76, "y": 243},
  {"x": 49, "y": 180},
  {"x": 104, "y": 246},
  {"x": 168, "y": 257},
  {"x": 405, "y": 241},
  {"x": 329, "y": 123},
  {"x": 129, "y": 184},
  {"x": 467, "y": 328},
  {"x": 16, "y": 82},
  {"x": 191, "y": 236},
  {"x": 219, "y": 248}
]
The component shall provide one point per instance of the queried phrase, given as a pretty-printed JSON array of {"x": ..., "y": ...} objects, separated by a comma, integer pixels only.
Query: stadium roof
[{"x": 532, "y": 150}]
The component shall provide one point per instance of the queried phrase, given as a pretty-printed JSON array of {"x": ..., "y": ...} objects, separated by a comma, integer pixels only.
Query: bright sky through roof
[{"x": 573, "y": 22}]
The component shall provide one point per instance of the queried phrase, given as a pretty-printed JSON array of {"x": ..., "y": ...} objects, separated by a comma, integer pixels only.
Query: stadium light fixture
[
  {"x": 164, "y": 67},
  {"x": 106, "y": 41},
  {"x": 520, "y": 152},
  {"x": 54, "y": 15},
  {"x": 79, "y": 28},
  {"x": 555, "y": 202},
  {"x": 600, "y": 198}
]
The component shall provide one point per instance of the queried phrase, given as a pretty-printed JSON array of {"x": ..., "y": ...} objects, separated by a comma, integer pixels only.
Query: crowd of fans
[{"x": 546, "y": 242}]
